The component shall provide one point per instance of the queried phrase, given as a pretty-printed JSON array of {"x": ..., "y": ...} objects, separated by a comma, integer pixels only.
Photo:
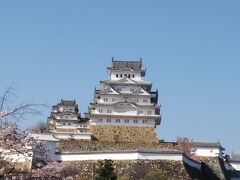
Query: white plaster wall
[
  {"x": 128, "y": 88},
  {"x": 17, "y": 157},
  {"x": 74, "y": 136},
  {"x": 72, "y": 126},
  {"x": 235, "y": 165},
  {"x": 155, "y": 156},
  {"x": 114, "y": 99},
  {"x": 137, "y": 76},
  {"x": 150, "y": 123},
  {"x": 70, "y": 117},
  {"x": 61, "y": 126},
  {"x": 208, "y": 152},
  {"x": 120, "y": 156},
  {"x": 124, "y": 111}
]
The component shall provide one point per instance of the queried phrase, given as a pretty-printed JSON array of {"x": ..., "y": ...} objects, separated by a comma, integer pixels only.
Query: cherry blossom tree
[
  {"x": 56, "y": 170},
  {"x": 17, "y": 141},
  {"x": 11, "y": 138},
  {"x": 184, "y": 145}
]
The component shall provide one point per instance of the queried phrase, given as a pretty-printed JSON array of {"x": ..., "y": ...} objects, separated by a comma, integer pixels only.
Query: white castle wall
[
  {"x": 84, "y": 136},
  {"x": 122, "y": 122},
  {"x": 120, "y": 156},
  {"x": 126, "y": 111},
  {"x": 235, "y": 165},
  {"x": 208, "y": 151},
  {"x": 113, "y": 99},
  {"x": 137, "y": 76},
  {"x": 13, "y": 156}
]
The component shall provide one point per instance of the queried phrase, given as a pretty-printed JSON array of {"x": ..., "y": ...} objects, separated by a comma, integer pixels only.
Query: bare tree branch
[
  {"x": 9, "y": 92},
  {"x": 10, "y": 137}
]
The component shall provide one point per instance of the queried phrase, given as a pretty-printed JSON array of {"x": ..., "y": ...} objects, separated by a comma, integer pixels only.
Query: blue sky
[{"x": 191, "y": 49}]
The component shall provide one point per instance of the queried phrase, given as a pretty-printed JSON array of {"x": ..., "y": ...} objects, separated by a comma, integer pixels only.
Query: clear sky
[{"x": 191, "y": 49}]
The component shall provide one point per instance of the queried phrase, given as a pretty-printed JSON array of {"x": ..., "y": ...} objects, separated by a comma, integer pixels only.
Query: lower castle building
[{"x": 65, "y": 121}]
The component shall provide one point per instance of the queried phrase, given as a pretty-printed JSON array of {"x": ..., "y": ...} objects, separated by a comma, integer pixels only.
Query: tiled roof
[
  {"x": 126, "y": 103},
  {"x": 43, "y": 137},
  {"x": 207, "y": 144},
  {"x": 135, "y": 65},
  {"x": 126, "y": 81},
  {"x": 68, "y": 102}
]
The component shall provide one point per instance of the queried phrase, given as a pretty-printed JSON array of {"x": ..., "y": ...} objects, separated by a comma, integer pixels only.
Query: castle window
[
  {"x": 125, "y": 75},
  {"x": 129, "y": 76},
  {"x": 105, "y": 99},
  {"x": 140, "y": 112},
  {"x": 133, "y": 76},
  {"x": 69, "y": 124},
  {"x": 126, "y": 120},
  {"x": 121, "y": 75},
  {"x": 135, "y": 121},
  {"x": 144, "y": 121},
  {"x": 100, "y": 110},
  {"x": 145, "y": 100},
  {"x": 109, "y": 111},
  {"x": 64, "y": 123},
  {"x": 100, "y": 120},
  {"x": 113, "y": 99},
  {"x": 131, "y": 89},
  {"x": 117, "y": 75},
  {"x": 117, "y": 120},
  {"x": 109, "y": 120},
  {"x": 149, "y": 112}
]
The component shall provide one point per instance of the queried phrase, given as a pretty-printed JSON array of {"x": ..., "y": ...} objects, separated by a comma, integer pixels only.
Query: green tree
[{"x": 105, "y": 171}]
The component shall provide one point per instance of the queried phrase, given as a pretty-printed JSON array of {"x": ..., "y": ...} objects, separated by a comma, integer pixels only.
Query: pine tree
[{"x": 106, "y": 171}]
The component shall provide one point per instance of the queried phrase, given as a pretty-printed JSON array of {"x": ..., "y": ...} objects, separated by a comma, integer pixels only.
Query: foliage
[
  {"x": 56, "y": 170},
  {"x": 5, "y": 166},
  {"x": 106, "y": 171},
  {"x": 13, "y": 140},
  {"x": 154, "y": 175},
  {"x": 184, "y": 145},
  {"x": 40, "y": 128}
]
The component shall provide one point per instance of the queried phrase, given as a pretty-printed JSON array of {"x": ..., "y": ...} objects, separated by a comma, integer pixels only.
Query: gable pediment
[
  {"x": 126, "y": 80},
  {"x": 109, "y": 90},
  {"x": 140, "y": 92},
  {"x": 123, "y": 105}
]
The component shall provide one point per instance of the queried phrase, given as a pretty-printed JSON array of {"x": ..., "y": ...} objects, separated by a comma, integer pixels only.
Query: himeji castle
[
  {"x": 124, "y": 109},
  {"x": 125, "y": 99}
]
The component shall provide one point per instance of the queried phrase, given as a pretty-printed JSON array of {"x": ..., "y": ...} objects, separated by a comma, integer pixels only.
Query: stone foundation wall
[
  {"x": 91, "y": 146},
  {"x": 214, "y": 164},
  {"x": 137, "y": 169},
  {"x": 124, "y": 133}
]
